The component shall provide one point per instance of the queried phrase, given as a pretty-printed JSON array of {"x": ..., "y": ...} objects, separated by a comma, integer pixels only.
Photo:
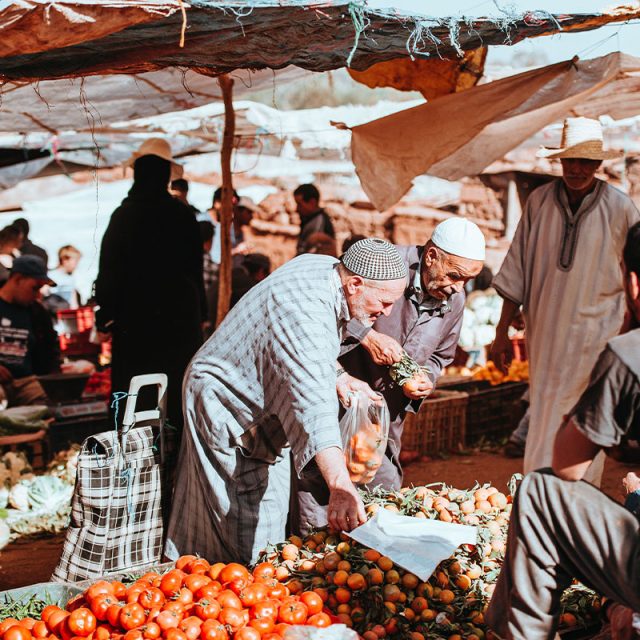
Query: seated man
[
  {"x": 28, "y": 342},
  {"x": 563, "y": 529}
]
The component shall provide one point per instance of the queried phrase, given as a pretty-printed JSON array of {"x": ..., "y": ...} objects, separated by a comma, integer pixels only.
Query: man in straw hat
[
  {"x": 425, "y": 323},
  {"x": 563, "y": 267},
  {"x": 150, "y": 284},
  {"x": 260, "y": 395}
]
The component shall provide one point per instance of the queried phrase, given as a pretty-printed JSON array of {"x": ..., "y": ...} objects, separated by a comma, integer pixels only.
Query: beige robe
[{"x": 564, "y": 269}]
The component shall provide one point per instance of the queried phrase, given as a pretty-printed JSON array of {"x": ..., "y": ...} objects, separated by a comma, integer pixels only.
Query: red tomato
[
  {"x": 184, "y": 596},
  {"x": 151, "y": 578},
  {"x": 171, "y": 582},
  {"x": 234, "y": 618},
  {"x": 100, "y": 605},
  {"x": 234, "y": 572},
  {"x": 168, "y": 620},
  {"x": 82, "y": 622},
  {"x": 278, "y": 591},
  {"x": 263, "y": 625},
  {"x": 313, "y": 601},
  {"x": 174, "y": 606},
  {"x": 209, "y": 591},
  {"x": 271, "y": 636},
  {"x": 103, "y": 632},
  {"x": 151, "y": 631},
  {"x": 199, "y": 565},
  {"x": 119, "y": 590},
  {"x": 191, "y": 627},
  {"x": 264, "y": 571},
  {"x": 265, "y": 609},
  {"x": 175, "y": 634},
  {"x": 133, "y": 593},
  {"x": 293, "y": 613},
  {"x": 113, "y": 614},
  {"x": 247, "y": 633},
  {"x": 132, "y": 616},
  {"x": 319, "y": 620},
  {"x": 100, "y": 588},
  {"x": 195, "y": 581},
  {"x": 253, "y": 594},
  {"x": 151, "y": 597},
  {"x": 133, "y": 634},
  {"x": 17, "y": 632},
  {"x": 213, "y": 630},
  {"x": 227, "y": 598},
  {"x": 281, "y": 628},
  {"x": 39, "y": 630},
  {"x": 55, "y": 619},
  {"x": 207, "y": 609},
  {"x": 183, "y": 561}
]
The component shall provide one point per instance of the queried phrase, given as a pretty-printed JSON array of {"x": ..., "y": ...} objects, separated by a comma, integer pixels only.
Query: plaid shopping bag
[{"x": 117, "y": 506}]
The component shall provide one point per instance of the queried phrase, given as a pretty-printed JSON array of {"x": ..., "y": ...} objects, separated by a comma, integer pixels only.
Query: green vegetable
[
  {"x": 20, "y": 609},
  {"x": 48, "y": 492},
  {"x": 23, "y": 419},
  {"x": 406, "y": 369}
]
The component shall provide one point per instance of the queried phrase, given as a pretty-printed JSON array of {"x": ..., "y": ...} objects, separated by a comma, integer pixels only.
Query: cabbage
[
  {"x": 5, "y": 534},
  {"x": 48, "y": 493},
  {"x": 19, "y": 496},
  {"x": 4, "y": 497}
]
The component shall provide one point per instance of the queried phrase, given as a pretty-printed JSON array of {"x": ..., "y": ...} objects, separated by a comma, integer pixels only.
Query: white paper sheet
[{"x": 418, "y": 546}]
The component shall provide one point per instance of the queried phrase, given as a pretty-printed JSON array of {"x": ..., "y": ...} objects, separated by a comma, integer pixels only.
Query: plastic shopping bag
[{"x": 365, "y": 429}]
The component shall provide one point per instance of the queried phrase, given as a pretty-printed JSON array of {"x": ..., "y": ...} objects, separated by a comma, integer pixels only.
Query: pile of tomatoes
[{"x": 195, "y": 600}]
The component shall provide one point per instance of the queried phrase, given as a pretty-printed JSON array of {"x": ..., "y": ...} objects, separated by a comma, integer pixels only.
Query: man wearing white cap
[
  {"x": 563, "y": 267},
  {"x": 425, "y": 322},
  {"x": 260, "y": 395}
]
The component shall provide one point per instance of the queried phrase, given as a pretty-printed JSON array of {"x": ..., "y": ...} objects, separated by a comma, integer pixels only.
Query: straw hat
[
  {"x": 581, "y": 138},
  {"x": 157, "y": 147}
]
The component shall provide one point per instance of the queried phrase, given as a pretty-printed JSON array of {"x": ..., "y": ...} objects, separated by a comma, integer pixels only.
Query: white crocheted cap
[
  {"x": 460, "y": 237},
  {"x": 374, "y": 259}
]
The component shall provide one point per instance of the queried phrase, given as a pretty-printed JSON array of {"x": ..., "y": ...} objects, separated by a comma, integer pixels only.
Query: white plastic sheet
[{"x": 418, "y": 546}]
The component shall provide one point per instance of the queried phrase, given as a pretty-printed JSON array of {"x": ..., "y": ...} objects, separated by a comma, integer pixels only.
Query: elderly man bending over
[{"x": 264, "y": 385}]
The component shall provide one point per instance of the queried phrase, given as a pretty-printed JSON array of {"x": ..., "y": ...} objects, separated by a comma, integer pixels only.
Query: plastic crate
[
  {"x": 440, "y": 425},
  {"x": 492, "y": 411}
]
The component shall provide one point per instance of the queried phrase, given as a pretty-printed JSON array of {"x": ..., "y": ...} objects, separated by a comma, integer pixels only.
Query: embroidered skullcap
[
  {"x": 460, "y": 237},
  {"x": 374, "y": 259}
]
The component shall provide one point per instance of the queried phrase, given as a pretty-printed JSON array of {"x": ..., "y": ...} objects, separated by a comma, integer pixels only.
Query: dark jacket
[
  {"x": 318, "y": 222},
  {"x": 45, "y": 357},
  {"x": 429, "y": 337},
  {"x": 150, "y": 289}
]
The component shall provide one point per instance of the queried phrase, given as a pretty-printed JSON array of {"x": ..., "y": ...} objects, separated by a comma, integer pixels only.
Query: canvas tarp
[
  {"x": 461, "y": 134},
  {"x": 73, "y": 38}
]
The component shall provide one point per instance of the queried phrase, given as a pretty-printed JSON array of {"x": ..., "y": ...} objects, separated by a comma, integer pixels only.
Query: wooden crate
[
  {"x": 492, "y": 411},
  {"x": 438, "y": 426}
]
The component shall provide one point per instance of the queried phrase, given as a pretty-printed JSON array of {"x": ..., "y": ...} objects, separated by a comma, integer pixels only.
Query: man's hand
[
  {"x": 501, "y": 352},
  {"x": 5, "y": 375},
  {"x": 383, "y": 349},
  {"x": 418, "y": 388},
  {"x": 631, "y": 482},
  {"x": 347, "y": 385},
  {"x": 346, "y": 509}
]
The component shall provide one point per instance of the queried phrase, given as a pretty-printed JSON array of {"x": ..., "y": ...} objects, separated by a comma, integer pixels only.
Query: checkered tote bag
[{"x": 117, "y": 506}]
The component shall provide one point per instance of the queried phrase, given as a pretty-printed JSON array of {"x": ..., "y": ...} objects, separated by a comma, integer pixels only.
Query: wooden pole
[{"x": 226, "y": 213}]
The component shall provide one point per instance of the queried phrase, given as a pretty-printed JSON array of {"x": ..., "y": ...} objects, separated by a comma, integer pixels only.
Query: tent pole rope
[{"x": 226, "y": 213}]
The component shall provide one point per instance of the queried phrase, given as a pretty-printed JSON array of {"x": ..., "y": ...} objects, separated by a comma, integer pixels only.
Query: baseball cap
[{"x": 32, "y": 267}]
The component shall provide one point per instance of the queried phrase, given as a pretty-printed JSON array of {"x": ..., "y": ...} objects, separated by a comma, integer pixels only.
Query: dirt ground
[{"x": 29, "y": 561}]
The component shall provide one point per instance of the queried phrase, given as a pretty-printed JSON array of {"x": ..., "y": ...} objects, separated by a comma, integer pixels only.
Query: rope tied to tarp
[{"x": 357, "y": 11}]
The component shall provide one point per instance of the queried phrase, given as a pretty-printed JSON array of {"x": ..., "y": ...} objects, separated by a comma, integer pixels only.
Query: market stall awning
[
  {"x": 72, "y": 38},
  {"x": 460, "y": 134}
]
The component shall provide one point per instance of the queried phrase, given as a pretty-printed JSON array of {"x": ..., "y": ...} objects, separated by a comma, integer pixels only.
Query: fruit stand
[{"x": 321, "y": 580}]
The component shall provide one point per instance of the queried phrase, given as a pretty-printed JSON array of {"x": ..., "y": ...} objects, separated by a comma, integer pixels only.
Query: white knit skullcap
[
  {"x": 460, "y": 237},
  {"x": 374, "y": 259}
]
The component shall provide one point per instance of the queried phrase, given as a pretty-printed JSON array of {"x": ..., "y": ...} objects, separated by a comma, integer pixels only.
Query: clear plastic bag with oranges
[{"x": 365, "y": 429}]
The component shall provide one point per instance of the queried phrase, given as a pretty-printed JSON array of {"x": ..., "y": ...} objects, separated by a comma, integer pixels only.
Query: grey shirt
[{"x": 608, "y": 412}]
